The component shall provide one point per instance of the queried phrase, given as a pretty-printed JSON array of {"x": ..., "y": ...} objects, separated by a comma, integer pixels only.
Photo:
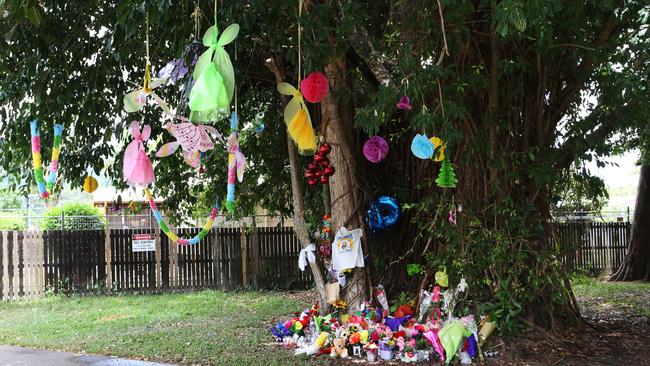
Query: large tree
[
  {"x": 518, "y": 90},
  {"x": 636, "y": 265}
]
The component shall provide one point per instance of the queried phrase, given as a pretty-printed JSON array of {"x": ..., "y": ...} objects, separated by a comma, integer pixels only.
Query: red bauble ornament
[
  {"x": 324, "y": 149},
  {"x": 312, "y": 181},
  {"x": 318, "y": 158},
  {"x": 318, "y": 173},
  {"x": 314, "y": 87},
  {"x": 325, "y": 163},
  {"x": 324, "y": 179},
  {"x": 329, "y": 171},
  {"x": 312, "y": 166},
  {"x": 309, "y": 174}
]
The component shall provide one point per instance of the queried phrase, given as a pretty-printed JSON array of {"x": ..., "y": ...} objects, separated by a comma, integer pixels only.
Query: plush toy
[
  {"x": 315, "y": 347},
  {"x": 338, "y": 348}
]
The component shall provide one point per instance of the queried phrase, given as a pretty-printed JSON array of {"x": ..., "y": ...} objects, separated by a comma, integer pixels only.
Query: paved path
[{"x": 20, "y": 356}]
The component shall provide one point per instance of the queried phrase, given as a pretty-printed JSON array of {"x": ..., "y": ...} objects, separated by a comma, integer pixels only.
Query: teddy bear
[{"x": 338, "y": 348}]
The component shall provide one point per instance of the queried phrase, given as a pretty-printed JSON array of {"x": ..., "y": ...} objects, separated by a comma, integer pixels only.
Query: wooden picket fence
[
  {"x": 598, "y": 247},
  {"x": 34, "y": 262}
]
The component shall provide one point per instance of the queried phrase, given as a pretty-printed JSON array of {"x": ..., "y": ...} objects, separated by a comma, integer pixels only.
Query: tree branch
[{"x": 300, "y": 224}]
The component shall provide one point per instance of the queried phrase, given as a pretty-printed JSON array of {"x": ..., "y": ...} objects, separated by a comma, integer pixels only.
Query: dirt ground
[{"x": 616, "y": 332}]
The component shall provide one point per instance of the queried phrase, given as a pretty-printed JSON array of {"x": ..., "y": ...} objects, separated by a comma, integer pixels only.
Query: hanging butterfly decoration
[
  {"x": 298, "y": 121},
  {"x": 194, "y": 140},
  {"x": 135, "y": 100},
  {"x": 214, "y": 76}
]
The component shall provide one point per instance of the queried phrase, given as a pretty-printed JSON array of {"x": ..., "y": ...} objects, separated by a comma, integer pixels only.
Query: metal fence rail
[{"x": 14, "y": 221}]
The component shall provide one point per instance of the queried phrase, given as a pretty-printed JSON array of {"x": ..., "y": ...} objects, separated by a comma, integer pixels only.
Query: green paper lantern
[{"x": 447, "y": 176}]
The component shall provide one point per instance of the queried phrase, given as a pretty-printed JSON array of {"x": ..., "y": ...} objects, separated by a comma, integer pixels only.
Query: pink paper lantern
[
  {"x": 314, "y": 87},
  {"x": 375, "y": 149}
]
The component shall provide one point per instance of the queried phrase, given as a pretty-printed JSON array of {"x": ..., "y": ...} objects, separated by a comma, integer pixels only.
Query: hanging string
[
  {"x": 236, "y": 89},
  {"x": 215, "y": 14},
  {"x": 299, "y": 41},
  {"x": 147, "y": 69},
  {"x": 197, "y": 19}
]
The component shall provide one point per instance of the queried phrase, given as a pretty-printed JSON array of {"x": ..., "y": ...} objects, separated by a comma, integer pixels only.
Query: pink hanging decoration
[
  {"x": 375, "y": 149},
  {"x": 452, "y": 216},
  {"x": 404, "y": 103},
  {"x": 137, "y": 166},
  {"x": 314, "y": 87}
]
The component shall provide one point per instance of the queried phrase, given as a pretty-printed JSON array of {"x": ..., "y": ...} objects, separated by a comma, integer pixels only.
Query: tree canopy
[{"x": 519, "y": 91}]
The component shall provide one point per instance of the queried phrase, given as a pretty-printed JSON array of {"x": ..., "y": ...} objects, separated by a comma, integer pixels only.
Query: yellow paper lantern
[
  {"x": 439, "y": 148},
  {"x": 90, "y": 184}
]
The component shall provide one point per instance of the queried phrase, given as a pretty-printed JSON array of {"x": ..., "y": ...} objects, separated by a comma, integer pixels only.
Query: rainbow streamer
[
  {"x": 170, "y": 234},
  {"x": 45, "y": 186},
  {"x": 232, "y": 164}
]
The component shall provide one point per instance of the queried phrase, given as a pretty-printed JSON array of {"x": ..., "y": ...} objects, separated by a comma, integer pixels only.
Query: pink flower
[{"x": 375, "y": 149}]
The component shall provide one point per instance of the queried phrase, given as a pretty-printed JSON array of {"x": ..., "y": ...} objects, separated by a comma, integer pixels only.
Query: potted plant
[
  {"x": 371, "y": 351},
  {"x": 387, "y": 349}
]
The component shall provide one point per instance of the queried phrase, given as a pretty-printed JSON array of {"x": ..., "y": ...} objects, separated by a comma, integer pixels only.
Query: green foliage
[
  {"x": 580, "y": 192},
  {"x": 414, "y": 269},
  {"x": 526, "y": 90},
  {"x": 12, "y": 220},
  {"x": 10, "y": 200},
  {"x": 74, "y": 216}
]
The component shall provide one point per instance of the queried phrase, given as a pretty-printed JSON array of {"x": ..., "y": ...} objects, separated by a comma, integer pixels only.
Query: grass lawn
[
  {"x": 208, "y": 327},
  {"x": 217, "y": 328},
  {"x": 621, "y": 298}
]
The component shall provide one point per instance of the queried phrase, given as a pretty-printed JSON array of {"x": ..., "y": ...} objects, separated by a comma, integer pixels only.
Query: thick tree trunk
[
  {"x": 346, "y": 200},
  {"x": 636, "y": 265}
]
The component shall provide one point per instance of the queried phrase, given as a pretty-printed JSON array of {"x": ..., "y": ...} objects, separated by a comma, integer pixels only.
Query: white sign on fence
[{"x": 143, "y": 243}]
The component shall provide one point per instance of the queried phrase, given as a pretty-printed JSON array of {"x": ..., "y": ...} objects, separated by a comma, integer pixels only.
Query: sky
[{"x": 621, "y": 179}]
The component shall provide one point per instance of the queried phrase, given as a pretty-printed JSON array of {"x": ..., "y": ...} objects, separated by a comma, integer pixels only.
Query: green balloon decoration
[
  {"x": 214, "y": 76},
  {"x": 446, "y": 177}
]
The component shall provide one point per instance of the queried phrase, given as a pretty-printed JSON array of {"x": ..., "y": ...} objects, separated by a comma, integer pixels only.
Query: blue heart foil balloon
[{"x": 383, "y": 214}]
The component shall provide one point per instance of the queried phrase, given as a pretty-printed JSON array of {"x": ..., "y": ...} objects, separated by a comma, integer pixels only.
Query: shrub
[
  {"x": 76, "y": 216},
  {"x": 12, "y": 221}
]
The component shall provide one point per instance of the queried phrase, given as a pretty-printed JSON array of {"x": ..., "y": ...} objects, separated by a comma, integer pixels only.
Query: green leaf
[
  {"x": 34, "y": 15},
  {"x": 517, "y": 20}
]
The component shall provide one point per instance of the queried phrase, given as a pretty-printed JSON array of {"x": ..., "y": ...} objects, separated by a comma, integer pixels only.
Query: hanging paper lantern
[
  {"x": 375, "y": 149},
  {"x": 314, "y": 87},
  {"x": 422, "y": 147},
  {"x": 439, "y": 148},
  {"x": 447, "y": 176},
  {"x": 382, "y": 214},
  {"x": 404, "y": 103},
  {"x": 90, "y": 184}
]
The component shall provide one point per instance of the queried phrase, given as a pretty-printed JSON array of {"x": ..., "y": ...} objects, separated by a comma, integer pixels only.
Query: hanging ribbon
[
  {"x": 45, "y": 187},
  {"x": 306, "y": 254},
  {"x": 170, "y": 234}
]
